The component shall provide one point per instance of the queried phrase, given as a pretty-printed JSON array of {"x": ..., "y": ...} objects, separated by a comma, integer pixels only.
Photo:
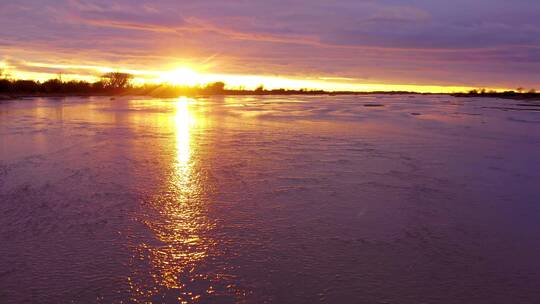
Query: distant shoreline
[
  {"x": 119, "y": 84},
  {"x": 224, "y": 93},
  {"x": 504, "y": 95}
]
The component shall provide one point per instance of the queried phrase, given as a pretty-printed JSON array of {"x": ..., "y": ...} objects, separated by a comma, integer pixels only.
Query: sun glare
[
  {"x": 185, "y": 75},
  {"x": 182, "y": 76}
]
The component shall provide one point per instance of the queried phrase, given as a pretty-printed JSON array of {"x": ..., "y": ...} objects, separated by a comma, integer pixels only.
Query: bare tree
[
  {"x": 116, "y": 80},
  {"x": 216, "y": 87}
]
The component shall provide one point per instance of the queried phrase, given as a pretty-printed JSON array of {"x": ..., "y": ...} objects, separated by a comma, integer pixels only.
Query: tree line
[
  {"x": 109, "y": 84},
  {"x": 118, "y": 83},
  {"x": 519, "y": 93}
]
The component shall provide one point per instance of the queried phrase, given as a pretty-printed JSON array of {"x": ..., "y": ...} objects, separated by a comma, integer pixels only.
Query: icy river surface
[{"x": 331, "y": 199}]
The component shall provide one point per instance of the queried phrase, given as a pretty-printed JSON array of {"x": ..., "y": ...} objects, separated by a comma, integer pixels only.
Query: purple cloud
[{"x": 485, "y": 42}]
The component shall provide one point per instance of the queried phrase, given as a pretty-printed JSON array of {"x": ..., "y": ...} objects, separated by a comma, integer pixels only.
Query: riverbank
[
  {"x": 203, "y": 94},
  {"x": 533, "y": 96},
  {"x": 281, "y": 92}
]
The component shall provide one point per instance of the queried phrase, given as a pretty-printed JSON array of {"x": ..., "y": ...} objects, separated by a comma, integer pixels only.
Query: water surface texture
[{"x": 355, "y": 199}]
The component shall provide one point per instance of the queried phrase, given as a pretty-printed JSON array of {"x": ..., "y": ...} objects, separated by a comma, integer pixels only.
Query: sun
[{"x": 183, "y": 76}]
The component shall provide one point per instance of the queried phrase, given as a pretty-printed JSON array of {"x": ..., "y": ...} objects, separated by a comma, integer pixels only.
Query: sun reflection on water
[
  {"x": 180, "y": 222},
  {"x": 183, "y": 122},
  {"x": 182, "y": 213}
]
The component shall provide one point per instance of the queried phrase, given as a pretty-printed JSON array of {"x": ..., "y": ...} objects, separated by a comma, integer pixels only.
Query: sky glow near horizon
[{"x": 427, "y": 46}]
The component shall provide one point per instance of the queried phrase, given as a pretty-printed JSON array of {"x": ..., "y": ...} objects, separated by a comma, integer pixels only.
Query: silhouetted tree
[
  {"x": 26, "y": 86},
  {"x": 79, "y": 87},
  {"x": 52, "y": 86},
  {"x": 116, "y": 80},
  {"x": 98, "y": 86},
  {"x": 4, "y": 83},
  {"x": 215, "y": 88}
]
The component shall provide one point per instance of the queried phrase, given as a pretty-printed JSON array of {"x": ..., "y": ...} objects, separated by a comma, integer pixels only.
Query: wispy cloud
[{"x": 435, "y": 42}]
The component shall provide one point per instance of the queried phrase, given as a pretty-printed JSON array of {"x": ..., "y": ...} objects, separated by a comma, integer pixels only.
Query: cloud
[
  {"x": 133, "y": 16},
  {"x": 398, "y": 14},
  {"x": 384, "y": 40}
]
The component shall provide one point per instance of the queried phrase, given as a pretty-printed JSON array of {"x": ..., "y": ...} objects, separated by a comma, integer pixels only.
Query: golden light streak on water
[
  {"x": 181, "y": 226},
  {"x": 183, "y": 122}
]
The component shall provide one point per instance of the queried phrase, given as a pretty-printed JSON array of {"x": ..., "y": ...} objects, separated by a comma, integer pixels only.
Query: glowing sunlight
[
  {"x": 182, "y": 76},
  {"x": 183, "y": 122},
  {"x": 192, "y": 152}
]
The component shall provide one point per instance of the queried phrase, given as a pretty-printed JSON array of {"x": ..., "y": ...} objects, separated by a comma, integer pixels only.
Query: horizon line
[{"x": 191, "y": 78}]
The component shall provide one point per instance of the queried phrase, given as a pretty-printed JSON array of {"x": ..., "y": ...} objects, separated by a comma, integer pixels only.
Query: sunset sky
[{"x": 347, "y": 44}]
